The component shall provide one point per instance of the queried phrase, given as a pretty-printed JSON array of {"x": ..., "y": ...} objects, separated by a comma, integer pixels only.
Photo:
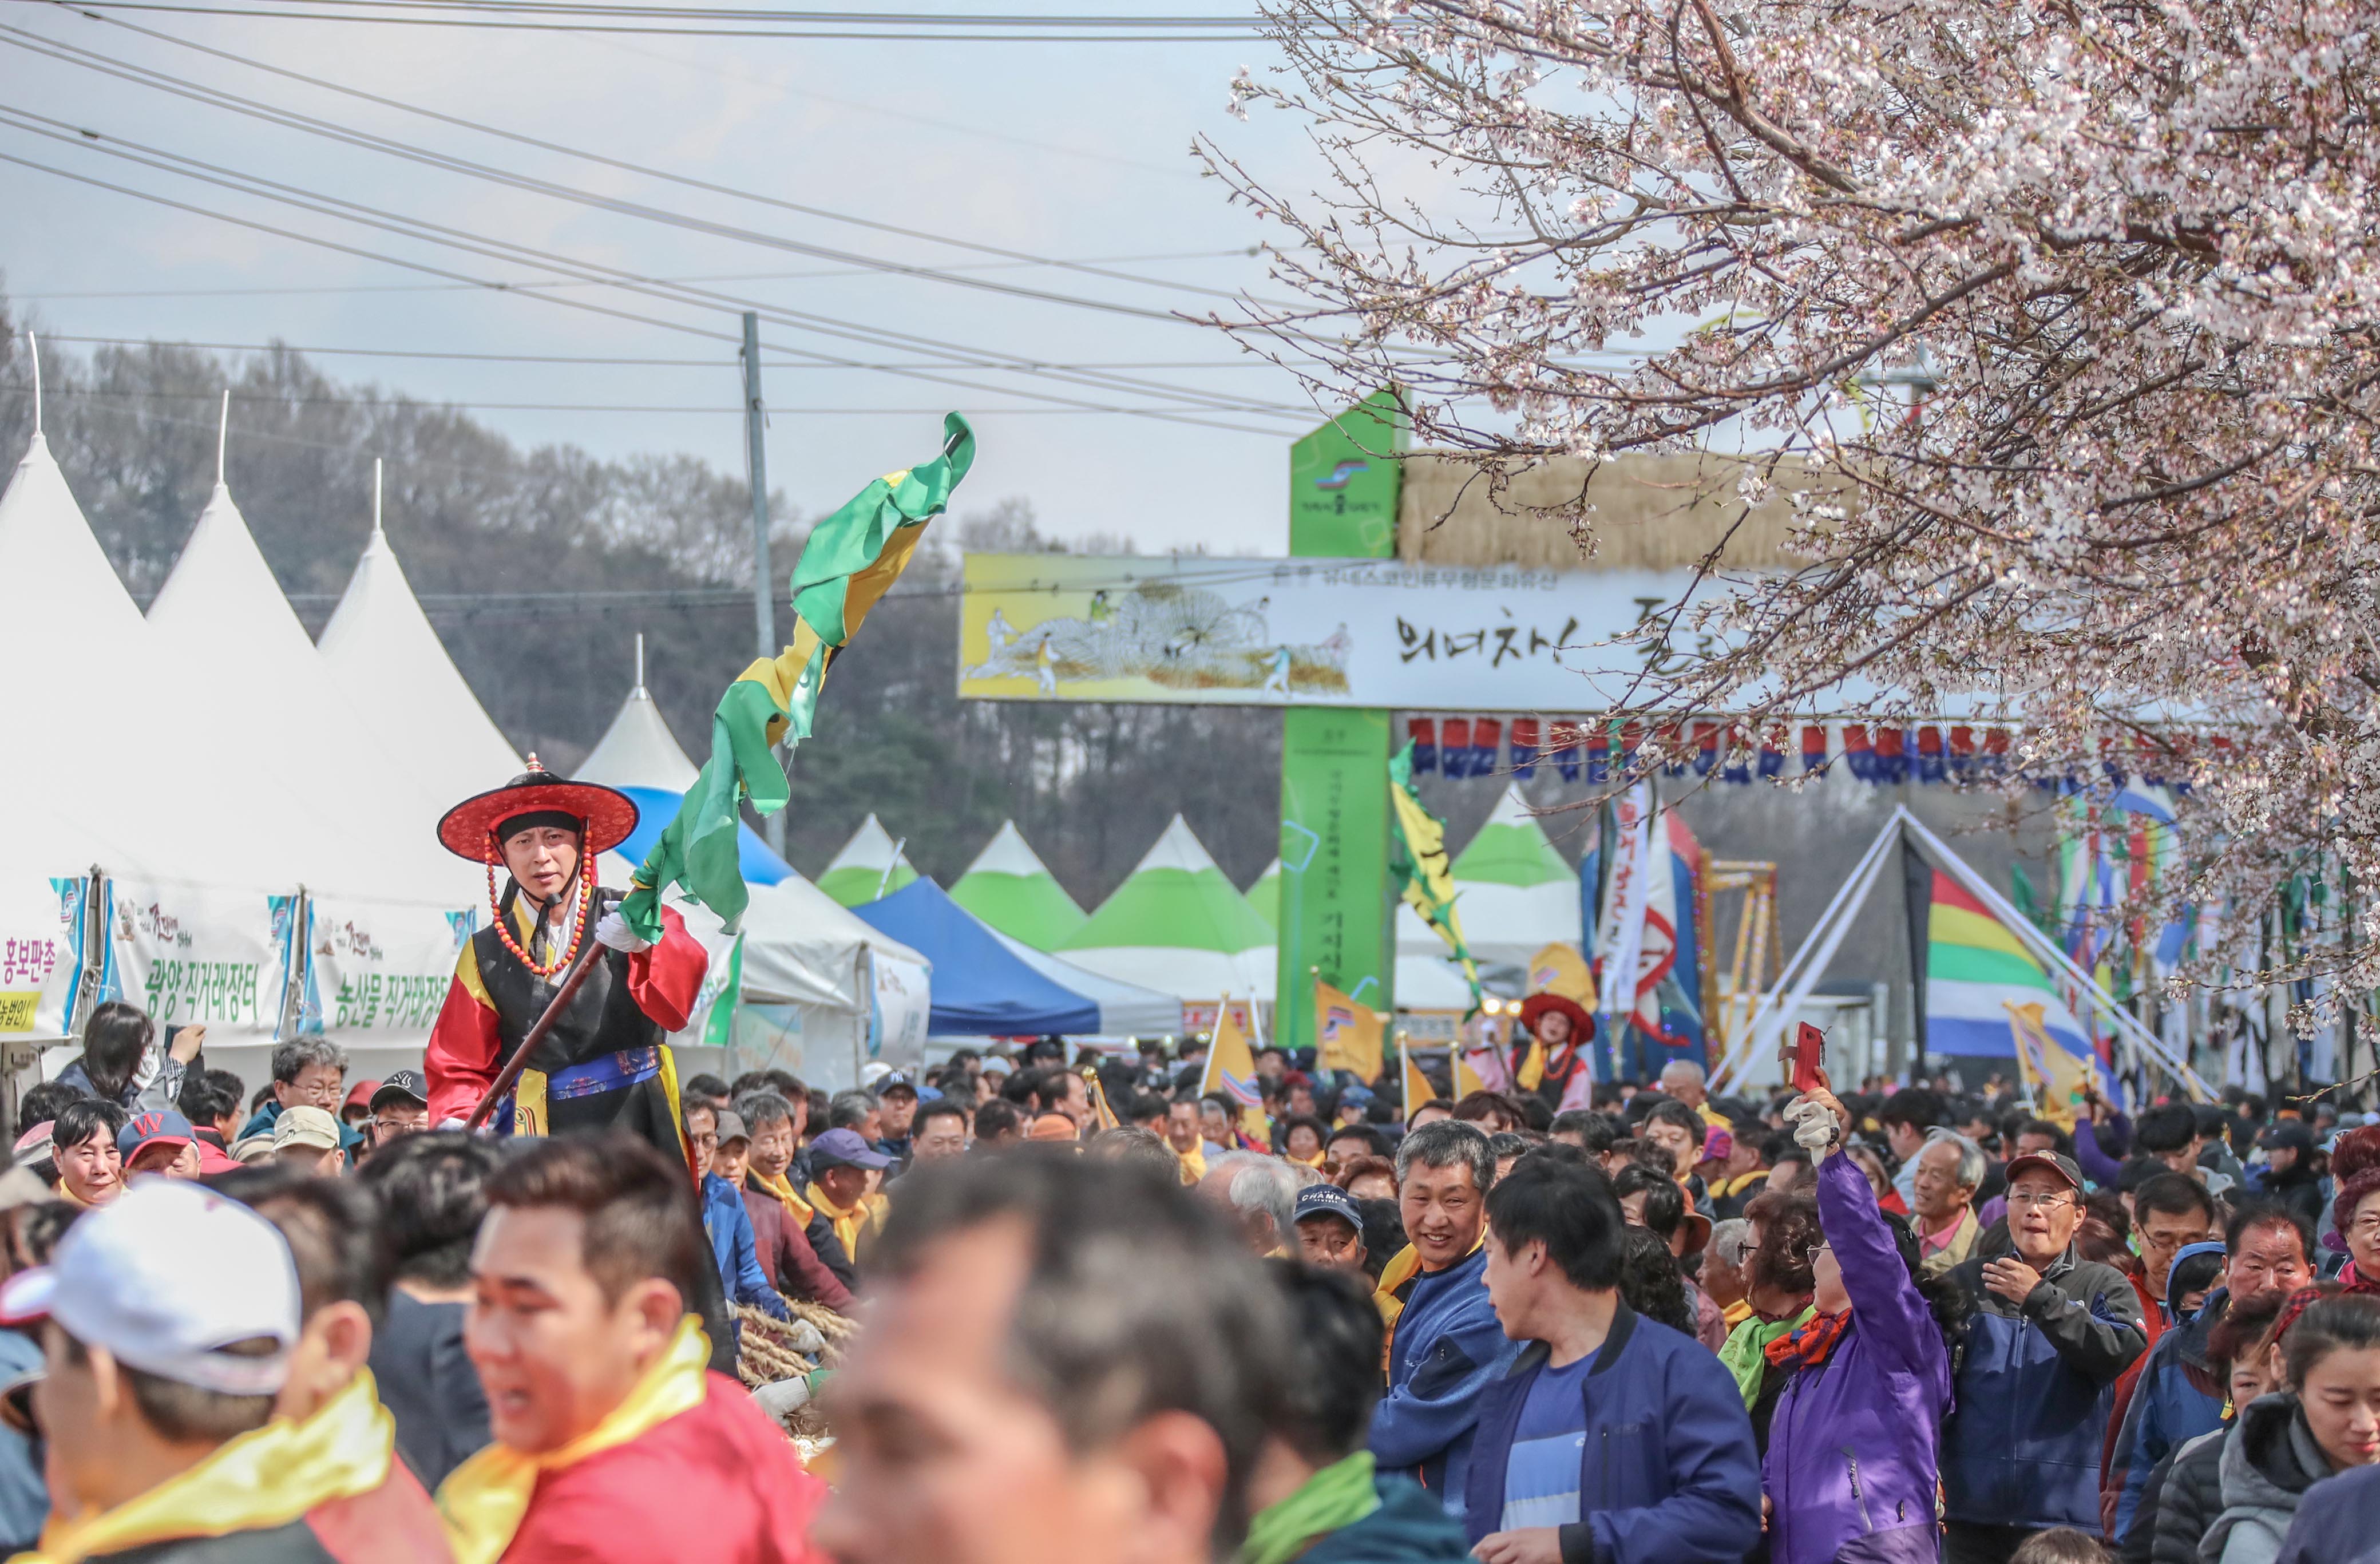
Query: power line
[
  {"x": 291, "y": 291},
  {"x": 288, "y": 119},
  {"x": 822, "y": 19},
  {"x": 423, "y": 231},
  {"x": 239, "y": 399},
  {"x": 715, "y": 364},
  {"x": 646, "y": 170},
  {"x": 1188, "y": 30}
]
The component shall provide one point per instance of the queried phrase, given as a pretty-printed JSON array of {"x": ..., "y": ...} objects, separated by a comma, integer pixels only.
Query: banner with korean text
[
  {"x": 379, "y": 971},
  {"x": 1309, "y": 632},
  {"x": 199, "y": 954}
]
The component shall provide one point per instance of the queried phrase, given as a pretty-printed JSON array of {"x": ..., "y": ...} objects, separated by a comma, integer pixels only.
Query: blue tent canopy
[
  {"x": 981, "y": 989},
  {"x": 656, "y": 807}
]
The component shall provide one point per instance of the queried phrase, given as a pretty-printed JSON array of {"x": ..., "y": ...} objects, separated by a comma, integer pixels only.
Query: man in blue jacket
[
  {"x": 2051, "y": 1334},
  {"x": 1612, "y": 1440},
  {"x": 1444, "y": 1344}
]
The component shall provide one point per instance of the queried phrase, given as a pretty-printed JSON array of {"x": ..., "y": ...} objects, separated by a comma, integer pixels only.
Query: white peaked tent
[
  {"x": 247, "y": 666},
  {"x": 380, "y": 651},
  {"x": 867, "y": 868},
  {"x": 800, "y": 948},
  {"x": 1178, "y": 925}
]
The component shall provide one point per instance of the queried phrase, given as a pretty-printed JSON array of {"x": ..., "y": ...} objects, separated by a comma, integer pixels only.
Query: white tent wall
[{"x": 380, "y": 651}]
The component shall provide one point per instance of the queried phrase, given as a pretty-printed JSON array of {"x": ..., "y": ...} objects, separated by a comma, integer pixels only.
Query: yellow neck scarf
[
  {"x": 1194, "y": 1164},
  {"x": 261, "y": 1480},
  {"x": 783, "y": 1188},
  {"x": 484, "y": 1499},
  {"x": 848, "y": 1224}
]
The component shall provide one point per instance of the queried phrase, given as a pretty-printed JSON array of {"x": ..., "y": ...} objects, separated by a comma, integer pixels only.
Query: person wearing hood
[
  {"x": 2289, "y": 1175},
  {"x": 2176, "y": 1393},
  {"x": 1852, "y": 1465},
  {"x": 1316, "y": 1495},
  {"x": 2325, "y": 1420},
  {"x": 2183, "y": 1493}
]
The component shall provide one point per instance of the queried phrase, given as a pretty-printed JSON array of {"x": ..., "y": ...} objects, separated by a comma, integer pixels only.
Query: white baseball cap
[{"x": 163, "y": 1277}]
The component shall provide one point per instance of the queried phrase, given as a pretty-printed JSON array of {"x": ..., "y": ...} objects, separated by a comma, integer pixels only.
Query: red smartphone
[{"x": 1806, "y": 1056}]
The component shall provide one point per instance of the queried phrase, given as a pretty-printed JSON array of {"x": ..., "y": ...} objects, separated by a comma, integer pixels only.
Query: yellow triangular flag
[
  {"x": 1559, "y": 969},
  {"x": 1107, "y": 1119},
  {"x": 1347, "y": 1034},
  {"x": 2056, "y": 1076},
  {"x": 1230, "y": 1064},
  {"x": 1417, "y": 1088},
  {"x": 1466, "y": 1079}
]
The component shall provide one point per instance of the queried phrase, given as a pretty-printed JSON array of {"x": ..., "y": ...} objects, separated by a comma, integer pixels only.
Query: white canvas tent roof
[
  {"x": 378, "y": 647},
  {"x": 97, "y": 716},
  {"x": 1177, "y": 925},
  {"x": 638, "y": 750},
  {"x": 246, "y": 666},
  {"x": 1126, "y": 1010},
  {"x": 867, "y": 868}
]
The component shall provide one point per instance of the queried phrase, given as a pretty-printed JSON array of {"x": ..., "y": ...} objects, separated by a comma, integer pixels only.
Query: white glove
[
  {"x": 804, "y": 1338},
  {"x": 784, "y": 1398},
  {"x": 1814, "y": 1130},
  {"x": 613, "y": 931}
]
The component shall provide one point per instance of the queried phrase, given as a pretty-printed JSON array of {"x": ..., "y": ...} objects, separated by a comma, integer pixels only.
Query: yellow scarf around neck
[
  {"x": 783, "y": 1188},
  {"x": 259, "y": 1480},
  {"x": 484, "y": 1500},
  {"x": 848, "y": 1224}
]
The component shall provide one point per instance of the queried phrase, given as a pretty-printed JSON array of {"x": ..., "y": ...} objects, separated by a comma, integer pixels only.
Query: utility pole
[{"x": 764, "y": 588}]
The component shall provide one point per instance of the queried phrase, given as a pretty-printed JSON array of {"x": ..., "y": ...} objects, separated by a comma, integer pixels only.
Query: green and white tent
[
  {"x": 1179, "y": 926},
  {"x": 1265, "y": 894},
  {"x": 867, "y": 868},
  {"x": 1010, "y": 888},
  {"x": 1513, "y": 893}
]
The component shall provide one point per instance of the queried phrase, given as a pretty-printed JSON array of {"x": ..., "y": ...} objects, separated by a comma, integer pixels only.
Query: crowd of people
[{"x": 1083, "y": 1301}]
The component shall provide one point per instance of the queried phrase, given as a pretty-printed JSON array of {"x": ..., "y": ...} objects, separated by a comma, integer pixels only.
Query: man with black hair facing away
[
  {"x": 988, "y": 1417},
  {"x": 1316, "y": 1495},
  {"x": 433, "y": 1192},
  {"x": 612, "y": 1442},
  {"x": 170, "y": 1320},
  {"x": 328, "y": 1225},
  {"x": 1611, "y": 1439}
]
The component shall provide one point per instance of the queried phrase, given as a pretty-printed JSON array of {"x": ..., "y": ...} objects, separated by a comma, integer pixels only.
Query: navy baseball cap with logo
[
  {"x": 402, "y": 1083},
  {"x": 1327, "y": 1200}
]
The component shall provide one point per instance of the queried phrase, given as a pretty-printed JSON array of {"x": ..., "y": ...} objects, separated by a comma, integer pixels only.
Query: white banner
[
  {"x": 1309, "y": 632},
  {"x": 901, "y": 1003},
  {"x": 40, "y": 955},
  {"x": 201, "y": 954},
  {"x": 1619, "y": 924},
  {"x": 380, "y": 971}
]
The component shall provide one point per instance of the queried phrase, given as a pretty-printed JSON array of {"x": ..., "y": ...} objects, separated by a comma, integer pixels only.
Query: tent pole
[
  {"x": 222, "y": 438},
  {"x": 33, "y": 348},
  {"x": 1741, "y": 1049}
]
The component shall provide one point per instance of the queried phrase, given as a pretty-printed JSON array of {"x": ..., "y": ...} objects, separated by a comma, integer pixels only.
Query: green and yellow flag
[
  {"x": 1418, "y": 863},
  {"x": 848, "y": 563}
]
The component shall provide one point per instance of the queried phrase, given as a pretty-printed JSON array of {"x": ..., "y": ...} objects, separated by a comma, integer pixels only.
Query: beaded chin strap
[{"x": 578, "y": 924}]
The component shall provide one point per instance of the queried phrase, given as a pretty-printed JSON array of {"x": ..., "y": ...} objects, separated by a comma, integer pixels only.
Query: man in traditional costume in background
[
  {"x": 606, "y": 1060},
  {"x": 1553, "y": 1052}
]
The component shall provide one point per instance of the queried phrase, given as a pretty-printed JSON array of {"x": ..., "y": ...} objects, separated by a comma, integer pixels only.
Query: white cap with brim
[{"x": 165, "y": 1278}]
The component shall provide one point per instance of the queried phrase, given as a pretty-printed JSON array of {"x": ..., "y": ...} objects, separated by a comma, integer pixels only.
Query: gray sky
[{"x": 1073, "y": 152}]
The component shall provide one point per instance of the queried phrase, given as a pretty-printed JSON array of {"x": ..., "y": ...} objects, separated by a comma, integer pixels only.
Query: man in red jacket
[{"x": 612, "y": 1442}]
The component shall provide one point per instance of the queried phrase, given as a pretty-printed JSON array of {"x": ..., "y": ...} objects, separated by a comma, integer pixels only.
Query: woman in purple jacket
[{"x": 1851, "y": 1471}]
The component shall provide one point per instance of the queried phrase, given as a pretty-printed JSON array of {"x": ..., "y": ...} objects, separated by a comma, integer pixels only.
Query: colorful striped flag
[
  {"x": 1981, "y": 983},
  {"x": 847, "y": 563}
]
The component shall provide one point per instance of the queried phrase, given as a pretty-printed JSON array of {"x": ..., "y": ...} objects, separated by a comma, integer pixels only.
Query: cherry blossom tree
[{"x": 2059, "y": 314}]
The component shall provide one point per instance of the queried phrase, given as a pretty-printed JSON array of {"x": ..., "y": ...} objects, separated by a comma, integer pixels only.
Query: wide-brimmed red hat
[
  {"x": 470, "y": 829},
  {"x": 1533, "y": 1009}
]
